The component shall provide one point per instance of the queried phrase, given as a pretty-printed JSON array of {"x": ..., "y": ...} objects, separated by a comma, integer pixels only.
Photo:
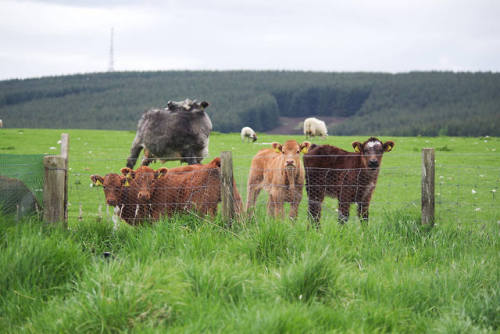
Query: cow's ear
[
  {"x": 127, "y": 172},
  {"x": 388, "y": 146},
  {"x": 160, "y": 172},
  {"x": 304, "y": 147},
  {"x": 216, "y": 162},
  {"x": 97, "y": 180},
  {"x": 357, "y": 146},
  {"x": 277, "y": 147}
]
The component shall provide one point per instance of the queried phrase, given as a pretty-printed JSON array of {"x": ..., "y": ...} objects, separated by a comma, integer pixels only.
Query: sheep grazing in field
[
  {"x": 350, "y": 177},
  {"x": 248, "y": 133},
  {"x": 315, "y": 127},
  {"x": 1, "y": 123}
]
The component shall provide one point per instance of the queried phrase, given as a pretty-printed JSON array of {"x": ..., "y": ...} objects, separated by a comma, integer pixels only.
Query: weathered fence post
[
  {"x": 227, "y": 195},
  {"x": 55, "y": 187},
  {"x": 428, "y": 174}
]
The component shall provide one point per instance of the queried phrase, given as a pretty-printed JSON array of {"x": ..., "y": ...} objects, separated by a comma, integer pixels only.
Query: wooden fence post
[
  {"x": 227, "y": 195},
  {"x": 55, "y": 187},
  {"x": 428, "y": 174}
]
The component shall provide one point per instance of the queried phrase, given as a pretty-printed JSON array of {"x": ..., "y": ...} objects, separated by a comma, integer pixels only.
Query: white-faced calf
[{"x": 349, "y": 177}]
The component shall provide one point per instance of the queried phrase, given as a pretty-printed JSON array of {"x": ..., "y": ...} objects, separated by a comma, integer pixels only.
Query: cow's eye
[{"x": 298, "y": 151}]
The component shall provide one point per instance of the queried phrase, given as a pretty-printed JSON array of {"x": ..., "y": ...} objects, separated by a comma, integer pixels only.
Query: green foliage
[{"x": 406, "y": 104}]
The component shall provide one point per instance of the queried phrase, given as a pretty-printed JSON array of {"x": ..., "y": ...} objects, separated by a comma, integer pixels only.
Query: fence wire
[
  {"x": 464, "y": 192},
  {"x": 21, "y": 184}
]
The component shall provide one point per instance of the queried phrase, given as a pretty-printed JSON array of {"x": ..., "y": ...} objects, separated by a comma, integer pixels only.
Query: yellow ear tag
[
  {"x": 356, "y": 149},
  {"x": 98, "y": 183},
  {"x": 277, "y": 150},
  {"x": 129, "y": 176},
  {"x": 304, "y": 150},
  {"x": 159, "y": 175},
  {"x": 126, "y": 183}
]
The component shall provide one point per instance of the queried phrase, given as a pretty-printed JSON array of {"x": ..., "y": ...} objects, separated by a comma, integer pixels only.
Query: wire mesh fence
[
  {"x": 465, "y": 191},
  {"x": 21, "y": 184},
  {"x": 466, "y": 187}
]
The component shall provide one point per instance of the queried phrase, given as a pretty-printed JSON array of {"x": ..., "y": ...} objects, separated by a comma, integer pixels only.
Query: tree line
[{"x": 406, "y": 104}]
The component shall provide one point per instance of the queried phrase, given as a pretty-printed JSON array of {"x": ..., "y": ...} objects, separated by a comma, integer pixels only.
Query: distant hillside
[{"x": 416, "y": 103}]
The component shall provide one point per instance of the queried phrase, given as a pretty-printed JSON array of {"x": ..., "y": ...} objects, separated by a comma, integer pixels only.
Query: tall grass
[
  {"x": 191, "y": 274},
  {"x": 187, "y": 275}
]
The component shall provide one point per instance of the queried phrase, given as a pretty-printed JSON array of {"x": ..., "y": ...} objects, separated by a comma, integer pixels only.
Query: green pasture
[
  {"x": 467, "y": 169},
  {"x": 192, "y": 275}
]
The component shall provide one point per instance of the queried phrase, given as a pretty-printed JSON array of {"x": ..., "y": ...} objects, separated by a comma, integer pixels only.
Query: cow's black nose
[{"x": 373, "y": 163}]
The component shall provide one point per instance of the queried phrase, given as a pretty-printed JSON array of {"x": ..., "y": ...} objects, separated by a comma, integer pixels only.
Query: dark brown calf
[{"x": 349, "y": 177}]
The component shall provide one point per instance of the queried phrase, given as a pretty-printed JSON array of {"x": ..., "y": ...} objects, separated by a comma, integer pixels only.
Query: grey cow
[{"x": 178, "y": 132}]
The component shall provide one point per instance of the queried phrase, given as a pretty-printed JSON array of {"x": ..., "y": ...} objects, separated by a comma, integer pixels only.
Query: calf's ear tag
[
  {"x": 126, "y": 183},
  {"x": 304, "y": 150},
  {"x": 356, "y": 149},
  {"x": 277, "y": 150},
  {"x": 98, "y": 183}
]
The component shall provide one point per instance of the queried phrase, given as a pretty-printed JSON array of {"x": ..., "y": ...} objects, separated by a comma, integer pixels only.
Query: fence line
[
  {"x": 462, "y": 192},
  {"x": 398, "y": 188}
]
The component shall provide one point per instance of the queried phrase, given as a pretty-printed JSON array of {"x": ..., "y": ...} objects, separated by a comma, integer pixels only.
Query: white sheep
[
  {"x": 1, "y": 123},
  {"x": 315, "y": 127},
  {"x": 248, "y": 133}
]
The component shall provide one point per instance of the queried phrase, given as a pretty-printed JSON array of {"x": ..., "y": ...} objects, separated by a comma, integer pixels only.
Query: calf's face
[
  {"x": 372, "y": 151},
  {"x": 112, "y": 185},
  {"x": 290, "y": 151},
  {"x": 142, "y": 180}
]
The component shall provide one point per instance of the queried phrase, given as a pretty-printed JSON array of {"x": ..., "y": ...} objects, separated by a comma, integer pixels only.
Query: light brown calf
[{"x": 278, "y": 170}]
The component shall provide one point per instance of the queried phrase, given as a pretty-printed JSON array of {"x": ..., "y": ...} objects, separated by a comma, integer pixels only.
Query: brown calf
[
  {"x": 120, "y": 195},
  {"x": 188, "y": 188},
  {"x": 278, "y": 170},
  {"x": 141, "y": 185},
  {"x": 349, "y": 177}
]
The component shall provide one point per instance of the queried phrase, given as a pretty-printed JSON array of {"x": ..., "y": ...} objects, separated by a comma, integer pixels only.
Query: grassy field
[{"x": 192, "y": 275}]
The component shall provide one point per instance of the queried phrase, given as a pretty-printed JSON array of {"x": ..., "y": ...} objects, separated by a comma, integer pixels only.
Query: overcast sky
[{"x": 40, "y": 38}]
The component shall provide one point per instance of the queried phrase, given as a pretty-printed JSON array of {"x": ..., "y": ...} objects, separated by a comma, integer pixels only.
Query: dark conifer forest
[{"x": 405, "y": 104}]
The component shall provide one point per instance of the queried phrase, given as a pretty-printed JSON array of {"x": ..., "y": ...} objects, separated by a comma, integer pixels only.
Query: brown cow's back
[{"x": 188, "y": 188}]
